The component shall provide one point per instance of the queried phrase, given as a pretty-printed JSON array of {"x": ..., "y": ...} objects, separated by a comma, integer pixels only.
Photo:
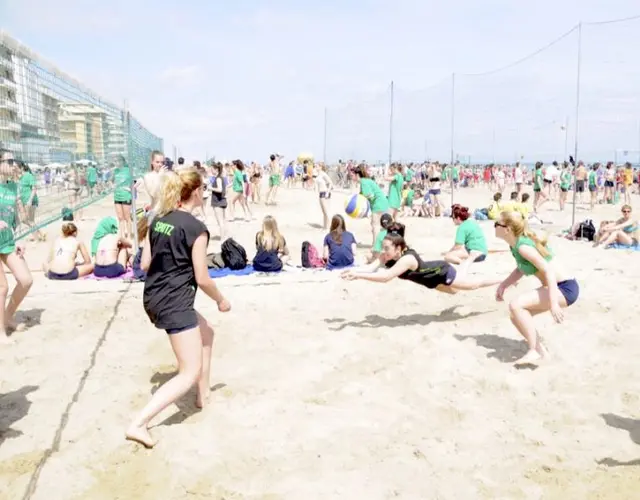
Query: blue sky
[{"x": 247, "y": 78}]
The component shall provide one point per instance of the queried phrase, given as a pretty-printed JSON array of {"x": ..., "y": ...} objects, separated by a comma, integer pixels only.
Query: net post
[
  {"x": 575, "y": 151},
  {"x": 134, "y": 215},
  {"x": 324, "y": 142},
  {"x": 453, "y": 125},
  {"x": 391, "y": 125}
]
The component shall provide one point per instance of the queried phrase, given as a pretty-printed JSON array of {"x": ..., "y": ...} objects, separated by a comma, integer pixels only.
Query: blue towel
[
  {"x": 221, "y": 273},
  {"x": 620, "y": 246}
]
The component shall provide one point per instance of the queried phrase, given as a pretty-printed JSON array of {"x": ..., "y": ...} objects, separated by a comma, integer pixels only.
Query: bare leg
[
  {"x": 207, "y": 334},
  {"x": 4, "y": 291},
  {"x": 522, "y": 310},
  {"x": 24, "y": 280},
  {"x": 325, "y": 216},
  {"x": 187, "y": 347},
  {"x": 84, "y": 269}
]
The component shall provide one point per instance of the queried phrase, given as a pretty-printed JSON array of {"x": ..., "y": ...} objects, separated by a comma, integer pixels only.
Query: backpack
[
  {"x": 310, "y": 256},
  {"x": 233, "y": 254},
  {"x": 586, "y": 230}
]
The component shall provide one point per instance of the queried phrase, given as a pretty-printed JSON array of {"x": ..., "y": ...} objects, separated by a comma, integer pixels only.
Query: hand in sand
[
  {"x": 224, "y": 306},
  {"x": 349, "y": 275},
  {"x": 556, "y": 312},
  {"x": 500, "y": 292}
]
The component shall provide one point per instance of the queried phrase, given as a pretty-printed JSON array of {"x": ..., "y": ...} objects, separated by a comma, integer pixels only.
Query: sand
[{"x": 330, "y": 389}]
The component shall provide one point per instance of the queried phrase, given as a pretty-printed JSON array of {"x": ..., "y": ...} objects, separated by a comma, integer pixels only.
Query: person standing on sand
[
  {"x": 11, "y": 253},
  {"x": 174, "y": 257},
  {"x": 533, "y": 258},
  {"x": 152, "y": 180},
  {"x": 372, "y": 192}
]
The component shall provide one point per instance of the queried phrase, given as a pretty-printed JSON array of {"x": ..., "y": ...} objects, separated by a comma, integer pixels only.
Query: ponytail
[
  {"x": 170, "y": 191},
  {"x": 540, "y": 241}
]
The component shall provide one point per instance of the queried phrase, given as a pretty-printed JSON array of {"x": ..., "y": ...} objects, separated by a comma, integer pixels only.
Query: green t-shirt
[
  {"x": 592, "y": 178},
  {"x": 8, "y": 200},
  {"x": 408, "y": 175},
  {"x": 122, "y": 180},
  {"x": 565, "y": 179},
  {"x": 526, "y": 267},
  {"x": 537, "y": 180},
  {"x": 238, "y": 181},
  {"x": 92, "y": 175},
  {"x": 455, "y": 173},
  {"x": 27, "y": 183},
  {"x": 470, "y": 235},
  {"x": 395, "y": 191},
  {"x": 377, "y": 245},
  {"x": 410, "y": 195},
  {"x": 372, "y": 192}
]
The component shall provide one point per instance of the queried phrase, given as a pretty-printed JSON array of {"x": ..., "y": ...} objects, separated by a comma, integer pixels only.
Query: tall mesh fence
[
  {"x": 610, "y": 92},
  {"x": 72, "y": 147}
]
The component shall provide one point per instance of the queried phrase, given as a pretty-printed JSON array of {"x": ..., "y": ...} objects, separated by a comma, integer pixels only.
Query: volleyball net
[
  {"x": 579, "y": 91},
  {"x": 73, "y": 148}
]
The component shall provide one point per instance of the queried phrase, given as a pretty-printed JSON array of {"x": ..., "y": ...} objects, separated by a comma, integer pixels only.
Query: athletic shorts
[
  {"x": 71, "y": 275},
  {"x": 570, "y": 290},
  {"x": 110, "y": 271}
]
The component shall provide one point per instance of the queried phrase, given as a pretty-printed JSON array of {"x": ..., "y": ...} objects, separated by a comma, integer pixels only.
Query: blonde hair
[
  {"x": 519, "y": 227},
  {"x": 69, "y": 229},
  {"x": 143, "y": 227},
  {"x": 177, "y": 187},
  {"x": 269, "y": 237}
]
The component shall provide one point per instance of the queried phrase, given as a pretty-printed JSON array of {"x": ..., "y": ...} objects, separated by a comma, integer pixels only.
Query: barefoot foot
[
  {"x": 542, "y": 351},
  {"x": 202, "y": 401},
  {"x": 532, "y": 357},
  {"x": 140, "y": 435}
]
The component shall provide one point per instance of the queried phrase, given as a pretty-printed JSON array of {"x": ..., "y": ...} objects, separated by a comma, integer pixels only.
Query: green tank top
[{"x": 526, "y": 267}]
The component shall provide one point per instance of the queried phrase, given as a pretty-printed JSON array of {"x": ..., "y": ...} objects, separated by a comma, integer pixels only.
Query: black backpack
[
  {"x": 234, "y": 255},
  {"x": 586, "y": 230}
]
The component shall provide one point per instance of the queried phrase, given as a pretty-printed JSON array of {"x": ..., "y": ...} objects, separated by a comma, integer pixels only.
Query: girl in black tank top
[{"x": 399, "y": 261}]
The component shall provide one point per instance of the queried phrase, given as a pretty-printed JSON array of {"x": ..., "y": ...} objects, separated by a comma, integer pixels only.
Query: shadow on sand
[
  {"x": 632, "y": 426},
  {"x": 186, "y": 404},
  {"x": 500, "y": 348},
  {"x": 376, "y": 321},
  {"x": 13, "y": 407}
]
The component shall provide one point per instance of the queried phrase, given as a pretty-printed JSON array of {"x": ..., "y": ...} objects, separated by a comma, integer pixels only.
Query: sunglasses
[
  {"x": 626, "y": 211},
  {"x": 499, "y": 224}
]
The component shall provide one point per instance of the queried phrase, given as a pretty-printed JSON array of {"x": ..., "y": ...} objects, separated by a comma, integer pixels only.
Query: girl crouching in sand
[
  {"x": 402, "y": 262},
  {"x": 174, "y": 258},
  {"x": 533, "y": 258}
]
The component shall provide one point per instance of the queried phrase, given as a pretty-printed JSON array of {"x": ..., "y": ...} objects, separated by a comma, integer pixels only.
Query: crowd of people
[{"x": 173, "y": 239}]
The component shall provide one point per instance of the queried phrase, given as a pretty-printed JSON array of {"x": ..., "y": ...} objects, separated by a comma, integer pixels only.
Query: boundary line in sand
[{"x": 64, "y": 419}]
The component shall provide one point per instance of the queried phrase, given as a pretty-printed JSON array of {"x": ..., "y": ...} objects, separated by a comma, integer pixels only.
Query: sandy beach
[{"x": 329, "y": 389}]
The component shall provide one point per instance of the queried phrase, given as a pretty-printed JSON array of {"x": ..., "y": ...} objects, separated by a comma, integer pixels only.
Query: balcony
[
  {"x": 12, "y": 126},
  {"x": 9, "y": 105},
  {"x": 5, "y": 82},
  {"x": 6, "y": 62}
]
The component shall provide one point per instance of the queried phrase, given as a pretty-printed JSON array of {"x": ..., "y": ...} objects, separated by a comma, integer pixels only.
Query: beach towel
[
  {"x": 225, "y": 271},
  {"x": 620, "y": 246},
  {"x": 128, "y": 275}
]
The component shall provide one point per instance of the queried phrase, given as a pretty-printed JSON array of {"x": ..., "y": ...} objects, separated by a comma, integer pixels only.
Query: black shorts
[
  {"x": 546, "y": 181},
  {"x": 608, "y": 184},
  {"x": 122, "y": 202},
  {"x": 564, "y": 190},
  {"x": 580, "y": 186},
  {"x": 71, "y": 275},
  {"x": 325, "y": 195},
  {"x": 111, "y": 271},
  {"x": 180, "y": 329},
  {"x": 216, "y": 203}
]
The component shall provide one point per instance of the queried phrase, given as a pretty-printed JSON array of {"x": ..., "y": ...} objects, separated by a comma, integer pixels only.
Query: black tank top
[
  {"x": 429, "y": 273},
  {"x": 215, "y": 196}
]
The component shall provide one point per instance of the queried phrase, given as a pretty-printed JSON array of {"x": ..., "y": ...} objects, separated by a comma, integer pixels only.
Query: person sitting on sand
[
  {"x": 175, "y": 259},
  {"x": 624, "y": 231},
  {"x": 533, "y": 258},
  {"x": 470, "y": 245},
  {"x": 111, "y": 252},
  {"x": 339, "y": 245},
  {"x": 402, "y": 262},
  {"x": 493, "y": 211},
  {"x": 271, "y": 248},
  {"x": 61, "y": 264}
]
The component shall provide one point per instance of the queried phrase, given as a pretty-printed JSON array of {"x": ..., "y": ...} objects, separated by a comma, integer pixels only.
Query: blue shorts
[
  {"x": 173, "y": 331},
  {"x": 570, "y": 290},
  {"x": 71, "y": 275},
  {"x": 435, "y": 191},
  {"x": 110, "y": 271}
]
